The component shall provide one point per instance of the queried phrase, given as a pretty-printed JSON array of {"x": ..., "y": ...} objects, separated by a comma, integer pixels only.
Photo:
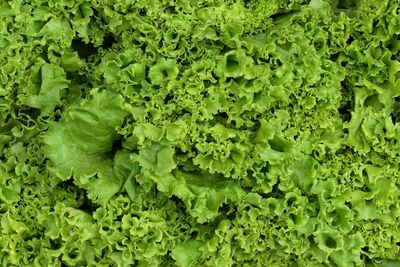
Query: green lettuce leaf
[{"x": 80, "y": 144}]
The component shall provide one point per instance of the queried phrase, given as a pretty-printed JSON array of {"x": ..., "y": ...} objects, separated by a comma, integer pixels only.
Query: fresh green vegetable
[{"x": 200, "y": 133}]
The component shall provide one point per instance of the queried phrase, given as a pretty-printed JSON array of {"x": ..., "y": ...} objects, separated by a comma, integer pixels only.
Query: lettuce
[
  {"x": 199, "y": 133},
  {"x": 87, "y": 155}
]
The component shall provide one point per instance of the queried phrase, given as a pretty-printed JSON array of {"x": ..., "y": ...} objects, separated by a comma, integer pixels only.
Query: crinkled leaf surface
[{"x": 199, "y": 133}]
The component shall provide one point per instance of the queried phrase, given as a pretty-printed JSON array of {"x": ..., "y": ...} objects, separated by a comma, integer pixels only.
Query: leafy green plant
[{"x": 199, "y": 133}]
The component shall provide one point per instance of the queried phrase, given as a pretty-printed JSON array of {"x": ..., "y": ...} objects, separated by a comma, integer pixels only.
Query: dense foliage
[{"x": 199, "y": 133}]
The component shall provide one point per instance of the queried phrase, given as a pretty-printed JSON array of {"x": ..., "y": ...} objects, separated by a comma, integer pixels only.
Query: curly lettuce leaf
[
  {"x": 53, "y": 81},
  {"x": 80, "y": 144}
]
